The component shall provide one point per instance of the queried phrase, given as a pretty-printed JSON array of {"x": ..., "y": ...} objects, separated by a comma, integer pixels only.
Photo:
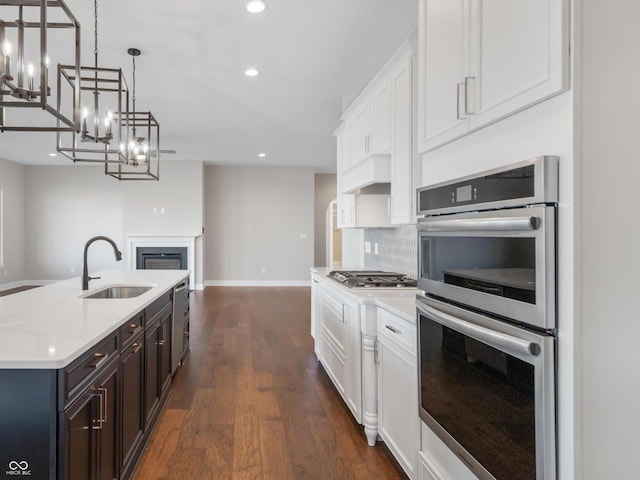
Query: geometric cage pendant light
[
  {"x": 142, "y": 152},
  {"x": 33, "y": 33},
  {"x": 104, "y": 102}
]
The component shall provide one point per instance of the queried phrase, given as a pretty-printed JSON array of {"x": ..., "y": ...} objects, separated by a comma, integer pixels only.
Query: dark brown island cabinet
[{"x": 91, "y": 419}]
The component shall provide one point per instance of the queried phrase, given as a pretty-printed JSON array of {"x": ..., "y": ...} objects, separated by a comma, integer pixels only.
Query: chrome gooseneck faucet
[{"x": 85, "y": 270}]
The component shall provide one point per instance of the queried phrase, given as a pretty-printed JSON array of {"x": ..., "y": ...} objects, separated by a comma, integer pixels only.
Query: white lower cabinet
[
  {"x": 398, "y": 389},
  {"x": 427, "y": 470},
  {"x": 339, "y": 345}
]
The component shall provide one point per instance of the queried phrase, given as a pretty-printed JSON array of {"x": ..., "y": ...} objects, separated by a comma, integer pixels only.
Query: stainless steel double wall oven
[{"x": 487, "y": 321}]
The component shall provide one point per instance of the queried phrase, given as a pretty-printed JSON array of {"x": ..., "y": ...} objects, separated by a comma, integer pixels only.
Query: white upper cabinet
[
  {"x": 481, "y": 60},
  {"x": 402, "y": 191},
  {"x": 369, "y": 123},
  {"x": 442, "y": 66},
  {"x": 375, "y": 146},
  {"x": 380, "y": 137}
]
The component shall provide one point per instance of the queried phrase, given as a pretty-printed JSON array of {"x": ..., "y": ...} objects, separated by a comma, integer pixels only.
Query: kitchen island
[{"x": 83, "y": 380}]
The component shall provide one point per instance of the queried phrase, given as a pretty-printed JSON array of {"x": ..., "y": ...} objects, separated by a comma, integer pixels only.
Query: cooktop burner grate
[{"x": 372, "y": 279}]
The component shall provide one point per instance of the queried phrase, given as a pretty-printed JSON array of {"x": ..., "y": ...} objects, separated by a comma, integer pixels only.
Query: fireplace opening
[{"x": 161, "y": 258}]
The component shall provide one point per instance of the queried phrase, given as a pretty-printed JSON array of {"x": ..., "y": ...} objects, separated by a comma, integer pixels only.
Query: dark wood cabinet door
[
  {"x": 151, "y": 371},
  {"x": 79, "y": 439},
  {"x": 164, "y": 370},
  {"x": 107, "y": 425},
  {"x": 132, "y": 366}
]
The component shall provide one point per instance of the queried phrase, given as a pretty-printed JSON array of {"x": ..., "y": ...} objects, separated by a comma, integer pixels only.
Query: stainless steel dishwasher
[{"x": 180, "y": 312}]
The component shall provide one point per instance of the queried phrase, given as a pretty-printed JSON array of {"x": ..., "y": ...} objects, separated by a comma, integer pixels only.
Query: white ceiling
[{"x": 311, "y": 56}]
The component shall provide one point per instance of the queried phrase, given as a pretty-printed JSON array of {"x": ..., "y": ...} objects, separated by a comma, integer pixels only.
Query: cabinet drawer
[
  {"x": 130, "y": 330},
  {"x": 398, "y": 330},
  {"x": 76, "y": 376},
  {"x": 155, "y": 309},
  {"x": 333, "y": 322}
]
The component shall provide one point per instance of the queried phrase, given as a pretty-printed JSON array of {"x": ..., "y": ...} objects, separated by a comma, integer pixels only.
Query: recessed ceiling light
[
  {"x": 262, "y": 154},
  {"x": 53, "y": 154},
  {"x": 251, "y": 72},
  {"x": 256, "y": 6}
]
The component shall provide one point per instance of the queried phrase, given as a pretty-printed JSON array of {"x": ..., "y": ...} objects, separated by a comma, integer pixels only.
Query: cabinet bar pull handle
[
  {"x": 459, "y": 88},
  {"x": 103, "y": 358},
  {"x": 164, "y": 335},
  {"x": 467, "y": 110},
  {"x": 394, "y": 330},
  {"x": 136, "y": 347},
  {"x": 103, "y": 404}
]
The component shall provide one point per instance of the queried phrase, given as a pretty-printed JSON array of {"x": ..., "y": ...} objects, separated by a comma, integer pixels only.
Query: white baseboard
[{"x": 257, "y": 283}]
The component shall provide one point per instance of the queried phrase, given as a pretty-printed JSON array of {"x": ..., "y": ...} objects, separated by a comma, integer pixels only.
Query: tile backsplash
[{"x": 397, "y": 249}]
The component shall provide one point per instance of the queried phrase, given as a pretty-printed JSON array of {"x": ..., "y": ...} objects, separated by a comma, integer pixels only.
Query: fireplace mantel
[{"x": 160, "y": 240}]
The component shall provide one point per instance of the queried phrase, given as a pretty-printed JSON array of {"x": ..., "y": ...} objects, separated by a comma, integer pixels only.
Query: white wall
[
  {"x": 179, "y": 193},
  {"x": 67, "y": 205},
  {"x": 253, "y": 219},
  {"x": 12, "y": 185},
  {"x": 609, "y": 230}
]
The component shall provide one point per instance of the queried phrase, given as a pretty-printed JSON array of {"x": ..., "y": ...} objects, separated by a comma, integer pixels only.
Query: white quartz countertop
[
  {"x": 400, "y": 301},
  {"x": 50, "y": 326}
]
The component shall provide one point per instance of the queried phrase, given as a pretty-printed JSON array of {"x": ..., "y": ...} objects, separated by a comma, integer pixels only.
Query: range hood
[{"x": 372, "y": 170}]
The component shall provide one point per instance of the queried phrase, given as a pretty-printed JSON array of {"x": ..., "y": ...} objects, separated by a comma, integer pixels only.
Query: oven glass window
[
  {"x": 482, "y": 397},
  {"x": 494, "y": 265}
]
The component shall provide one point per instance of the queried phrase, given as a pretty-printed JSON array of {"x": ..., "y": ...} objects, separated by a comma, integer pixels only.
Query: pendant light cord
[
  {"x": 95, "y": 31},
  {"x": 133, "y": 58},
  {"x": 134, "y": 82}
]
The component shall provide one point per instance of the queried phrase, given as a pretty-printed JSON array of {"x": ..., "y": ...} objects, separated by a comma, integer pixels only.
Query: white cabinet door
[
  {"x": 402, "y": 191},
  {"x": 346, "y": 202},
  {"x": 340, "y": 346},
  {"x": 380, "y": 138},
  {"x": 398, "y": 389},
  {"x": 482, "y": 60},
  {"x": 334, "y": 337},
  {"x": 518, "y": 55},
  {"x": 359, "y": 131},
  {"x": 443, "y": 63}
]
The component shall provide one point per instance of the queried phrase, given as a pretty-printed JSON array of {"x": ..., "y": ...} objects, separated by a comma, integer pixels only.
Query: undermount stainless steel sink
[{"x": 119, "y": 291}]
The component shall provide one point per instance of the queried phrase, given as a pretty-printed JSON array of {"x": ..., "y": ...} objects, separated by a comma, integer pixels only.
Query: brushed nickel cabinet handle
[
  {"x": 467, "y": 109},
  {"x": 459, "y": 89},
  {"x": 393, "y": 329}
]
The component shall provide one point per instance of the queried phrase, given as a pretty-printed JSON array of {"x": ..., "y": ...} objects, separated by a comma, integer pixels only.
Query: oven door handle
[
  {"x": 491, "y": 224},
  {"x": 498, "y": 340}
]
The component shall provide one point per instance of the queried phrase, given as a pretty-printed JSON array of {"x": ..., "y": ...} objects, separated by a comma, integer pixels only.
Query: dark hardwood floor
[{"x": 252, "y": 402}]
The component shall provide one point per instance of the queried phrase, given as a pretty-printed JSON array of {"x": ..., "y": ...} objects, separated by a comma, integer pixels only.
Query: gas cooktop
[{"x": 360, "y": 279}]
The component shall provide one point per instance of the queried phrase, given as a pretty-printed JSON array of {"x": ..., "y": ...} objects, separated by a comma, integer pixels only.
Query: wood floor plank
[
  {"x": 251, "y": 401},
  {"x": 275, "y": 451},
  {"x": 247, "y": 462}
]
